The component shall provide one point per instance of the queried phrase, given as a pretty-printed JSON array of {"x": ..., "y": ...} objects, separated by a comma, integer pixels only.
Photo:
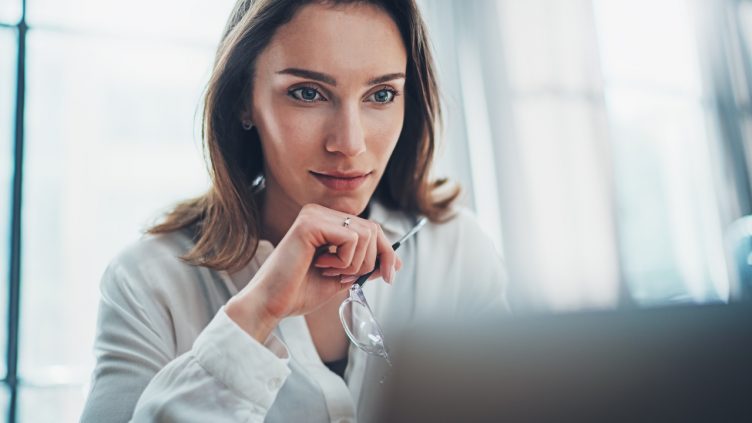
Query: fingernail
[
  {"x": 390, "y": 276},
  {"x": 392, "y": 273},
  {"x": 348, "y": 279},
  {"x": 330, "y": 273}
]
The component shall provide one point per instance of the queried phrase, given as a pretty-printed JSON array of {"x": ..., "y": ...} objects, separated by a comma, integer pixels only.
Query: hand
[{"x": 305, "y": 270}]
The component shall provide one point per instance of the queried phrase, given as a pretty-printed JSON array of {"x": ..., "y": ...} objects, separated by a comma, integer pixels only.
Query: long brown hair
[{"x": 225, "y": 222}]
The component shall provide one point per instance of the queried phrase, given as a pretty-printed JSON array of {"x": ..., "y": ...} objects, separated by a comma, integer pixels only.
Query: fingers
[
  {"x": 334, "y": 287},
  {"x": 357, "y": 247},
  {"x": 358, "y": 264},
  {"x": 377, "y": 273},
  {"x": 379, "y": 248},
  {"x": 347, "y": 247},
  {"x": 372, "y": 252},
  {"x": 321, "y": 229},
  {"x": 366, "y": 234},
  {"x": 348, "y": 279}
]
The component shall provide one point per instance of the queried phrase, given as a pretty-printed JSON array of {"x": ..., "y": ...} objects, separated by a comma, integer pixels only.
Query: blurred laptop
[{"x": 679, "y": 364}]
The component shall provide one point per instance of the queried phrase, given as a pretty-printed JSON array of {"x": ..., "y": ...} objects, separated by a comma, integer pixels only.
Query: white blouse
[{"x": 166, "y": 350}]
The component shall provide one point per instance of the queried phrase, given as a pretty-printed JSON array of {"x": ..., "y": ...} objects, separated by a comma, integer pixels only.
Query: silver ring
[{"x": 346, "y": 223}]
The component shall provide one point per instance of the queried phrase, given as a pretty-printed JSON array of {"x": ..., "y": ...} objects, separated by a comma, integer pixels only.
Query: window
[
  {"x": 113, "y": 92},
  {"x": 10, "y": 12},
  {"x": 597, "y": 124},
  {"x": 669, "y": 220},
  {"x": 7, "y": 116}
]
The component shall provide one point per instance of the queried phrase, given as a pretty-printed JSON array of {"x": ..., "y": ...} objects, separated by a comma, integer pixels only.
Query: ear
[
  {"x": 246, "y": 109},
  {"x": 245, "y": 114},
  {"x": 246, "y": 118}
]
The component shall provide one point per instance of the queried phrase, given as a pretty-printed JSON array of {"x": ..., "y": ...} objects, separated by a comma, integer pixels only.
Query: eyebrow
[{"x": 327, "y": 79}]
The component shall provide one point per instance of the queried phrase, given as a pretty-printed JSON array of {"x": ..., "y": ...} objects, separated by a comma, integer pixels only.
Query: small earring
[{"x": 247, "y": 125}]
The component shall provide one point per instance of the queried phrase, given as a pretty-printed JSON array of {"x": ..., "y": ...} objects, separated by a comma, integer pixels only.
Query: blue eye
[
  {"x": 383, "y": 96},
  {"x": 306, "y": 94}
]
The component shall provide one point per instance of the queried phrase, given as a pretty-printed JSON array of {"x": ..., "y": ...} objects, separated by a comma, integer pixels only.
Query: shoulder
[
  {"x": 457, "y": 224},
  {"x": 148, "y": 263},
  {"x": 460, "y": 226},
  {"x": 461, "y": 254},
  {"x": 460, "y": 247},
  {"x": 163, "y": 248}
]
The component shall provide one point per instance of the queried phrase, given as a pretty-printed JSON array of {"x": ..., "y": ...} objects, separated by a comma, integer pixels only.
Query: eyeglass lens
[{"x": 361, "y": 326}]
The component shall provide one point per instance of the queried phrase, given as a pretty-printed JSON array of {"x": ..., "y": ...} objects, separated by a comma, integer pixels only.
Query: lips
[{"x": 341, "y": 181}]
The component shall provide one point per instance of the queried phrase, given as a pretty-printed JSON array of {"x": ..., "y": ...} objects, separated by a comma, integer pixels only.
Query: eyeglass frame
[{"x": 357, "y": 296}]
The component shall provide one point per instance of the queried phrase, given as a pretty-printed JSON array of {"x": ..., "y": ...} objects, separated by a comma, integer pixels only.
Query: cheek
[
  {"x": 291, "y": 132},
  {"x": 384, "y": 130}
]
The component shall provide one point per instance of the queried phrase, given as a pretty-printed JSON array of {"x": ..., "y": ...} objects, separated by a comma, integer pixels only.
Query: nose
[{"x": 347, "y": 136}]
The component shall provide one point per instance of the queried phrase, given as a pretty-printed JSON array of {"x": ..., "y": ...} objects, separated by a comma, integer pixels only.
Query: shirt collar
[{"x": 393, "y": 222}]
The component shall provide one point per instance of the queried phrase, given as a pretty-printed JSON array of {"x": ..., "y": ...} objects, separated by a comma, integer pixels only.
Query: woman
[{"x": 319, "y": 126}]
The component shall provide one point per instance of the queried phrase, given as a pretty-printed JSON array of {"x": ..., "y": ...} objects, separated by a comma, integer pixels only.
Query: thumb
[{"x": 333, "y": 286}]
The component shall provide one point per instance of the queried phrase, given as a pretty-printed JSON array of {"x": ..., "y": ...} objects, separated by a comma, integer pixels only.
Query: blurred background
[{"x": 602, "y": 143}]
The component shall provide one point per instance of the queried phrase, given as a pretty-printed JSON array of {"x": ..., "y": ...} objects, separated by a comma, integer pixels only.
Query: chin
[{"x": 349, "y": 205}]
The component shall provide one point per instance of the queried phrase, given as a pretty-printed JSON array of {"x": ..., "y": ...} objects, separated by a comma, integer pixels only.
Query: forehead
[{"x": 343, "y": 40}]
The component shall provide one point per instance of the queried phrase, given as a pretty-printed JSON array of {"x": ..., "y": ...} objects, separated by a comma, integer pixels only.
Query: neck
[{"x": 277, "y": 214}]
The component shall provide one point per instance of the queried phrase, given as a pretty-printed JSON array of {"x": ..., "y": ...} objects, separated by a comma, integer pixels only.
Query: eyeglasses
[{"x": 356, "y": 316}]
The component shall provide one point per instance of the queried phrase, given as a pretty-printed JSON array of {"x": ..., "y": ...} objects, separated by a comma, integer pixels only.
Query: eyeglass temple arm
[{"x": 361, "y": 280}]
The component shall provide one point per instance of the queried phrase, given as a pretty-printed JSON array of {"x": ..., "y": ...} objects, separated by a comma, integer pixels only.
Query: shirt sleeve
[{"x": 227, "y": 376}]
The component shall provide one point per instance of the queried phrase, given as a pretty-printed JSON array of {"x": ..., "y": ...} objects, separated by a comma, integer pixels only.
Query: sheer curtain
[
  {"x": 588, "y": 136},
  {"x": 727, "y": 26}
]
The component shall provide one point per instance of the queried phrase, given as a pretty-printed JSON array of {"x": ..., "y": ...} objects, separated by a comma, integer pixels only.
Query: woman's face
[{"x": 327, "y": 102}]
